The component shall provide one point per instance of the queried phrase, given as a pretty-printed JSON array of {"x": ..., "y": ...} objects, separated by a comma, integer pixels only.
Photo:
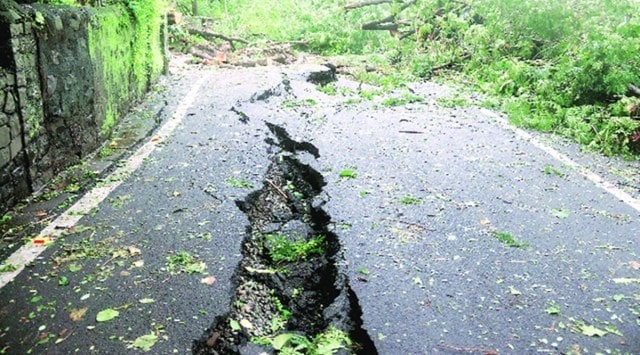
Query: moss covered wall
[
  {"x": 67, "y": 75},
  {"x": 125, "y": 44}
]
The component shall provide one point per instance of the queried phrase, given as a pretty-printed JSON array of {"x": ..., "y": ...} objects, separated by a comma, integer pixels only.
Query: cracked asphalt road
[{"x": 419, "y": 227}]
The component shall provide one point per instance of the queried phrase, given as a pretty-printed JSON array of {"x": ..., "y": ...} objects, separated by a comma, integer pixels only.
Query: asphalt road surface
[{"x": 457, "y": 233}]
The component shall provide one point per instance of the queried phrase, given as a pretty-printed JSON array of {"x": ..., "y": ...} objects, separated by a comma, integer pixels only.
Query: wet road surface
[{"x": 456, "y": 233}]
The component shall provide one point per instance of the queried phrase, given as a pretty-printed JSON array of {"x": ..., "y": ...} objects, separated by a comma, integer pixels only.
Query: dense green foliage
[
  {"x": 321, "y": 23},
  {"x": 561, "y": 66}
]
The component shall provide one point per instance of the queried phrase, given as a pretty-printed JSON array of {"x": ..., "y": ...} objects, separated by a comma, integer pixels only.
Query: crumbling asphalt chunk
[
  {"x": 282, "y": 89},
  {"x": 291, "y": 289},
  {"x": 323, "y": 76}
]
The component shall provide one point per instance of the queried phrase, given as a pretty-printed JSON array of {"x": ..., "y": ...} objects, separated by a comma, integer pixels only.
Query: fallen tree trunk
[
  {"x": 388, "y": 23},
  {"x": 633, "y": 90},
  {"x": 211, "y": 35}
]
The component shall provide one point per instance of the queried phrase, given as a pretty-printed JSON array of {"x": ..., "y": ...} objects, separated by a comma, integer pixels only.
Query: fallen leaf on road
[
  {"x": 139, "y": 263},
  {"x": 210, "y": 280},
  {"x": 41, "y": 214},
  {"x": 417, "y": 281},
  {"x": 563, "y": 213},
  {"x": 552, "y": 309},
  {"x": 106, "y": 315},
  {"x": 485, "y": 222},
  {"x": 592, "y": 331},
  {"x": 145, "y": 342},
  {"x": 134, "y": 251},
  {"x": 634, "y": 265},
  {"x": 235, "y": 326},
  {"x": 281, "y": 340},
  {"x": 514, "y": 291},
  {"x": 78, "y": 314},
  {"x": 42, "y": 241}
]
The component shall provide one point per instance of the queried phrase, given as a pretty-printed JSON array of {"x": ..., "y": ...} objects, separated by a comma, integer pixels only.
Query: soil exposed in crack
[{"x": 291, "y": 291}]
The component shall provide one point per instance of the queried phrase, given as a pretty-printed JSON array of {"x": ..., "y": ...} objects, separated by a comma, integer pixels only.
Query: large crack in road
[
  {"x": 400, "y": 256},
  {"x": 290, "y": 286}
]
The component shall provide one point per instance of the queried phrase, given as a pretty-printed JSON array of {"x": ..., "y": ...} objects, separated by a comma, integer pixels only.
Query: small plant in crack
[
  {"x": 183, "y": 262},
  {"x": 329, "y": 342},
  {"x": 283, "y": 314},
  {"x": 282, "y": 248},
  {"x": 510, "y": 240},
  {"x": 5, "y": 219},
  {"x": 291, "y": 187},
  {"x": 240, "y": 183}
]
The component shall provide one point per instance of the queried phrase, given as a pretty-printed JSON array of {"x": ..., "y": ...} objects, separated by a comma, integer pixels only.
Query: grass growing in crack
[
  {"x": 409, "y": 200},
  {"x": 329, "y": 89},
  {"x": 8, "y": 268},
  {"x": 453, "y": 101},
  {"x": 106, "y": 152},
  {"x": 183, "y": 262},
  {"x": 510, "y": 240},
  {"x": 283, "y": 249},
  {"x": 299, "y": 103},
  {"x": 403, "y": 100},
  {"x": 240, "y": 183}
]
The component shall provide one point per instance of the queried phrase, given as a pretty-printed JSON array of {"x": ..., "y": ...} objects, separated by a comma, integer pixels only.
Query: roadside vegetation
[{"x": 568, "y": 67}]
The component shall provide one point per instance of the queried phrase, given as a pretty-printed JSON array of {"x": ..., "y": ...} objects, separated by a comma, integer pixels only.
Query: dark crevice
[
  {"x": 305, "y": 296},
  {"x": 241, "y": 115},
  {"x": 287, "y": 144}
]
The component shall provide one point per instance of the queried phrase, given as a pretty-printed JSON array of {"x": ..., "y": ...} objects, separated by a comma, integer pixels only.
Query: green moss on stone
[{"x": 126, "y": 50}]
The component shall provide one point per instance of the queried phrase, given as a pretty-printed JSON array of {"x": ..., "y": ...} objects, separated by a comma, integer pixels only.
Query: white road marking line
[
  {"x": 29, "y": 252},
  {"x": 593, "y": 177}
]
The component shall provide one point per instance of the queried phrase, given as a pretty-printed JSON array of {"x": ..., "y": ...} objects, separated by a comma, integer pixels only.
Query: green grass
[
  {"x": 401, "y": 101},
  {"x": 240, "y": 183},
  {"x": 184, "y": 262},
  {"x": 410, "y": 200},
  {"x": 282, "y": 248},
  {"x": 510, "y": 240}
]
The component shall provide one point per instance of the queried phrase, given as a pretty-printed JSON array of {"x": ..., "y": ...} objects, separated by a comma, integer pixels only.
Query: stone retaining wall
[{"x": 66, "y": 75}]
